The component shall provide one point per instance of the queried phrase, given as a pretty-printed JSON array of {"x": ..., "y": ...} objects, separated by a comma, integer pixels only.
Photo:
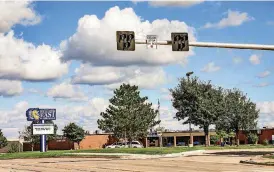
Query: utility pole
[{"x": 190, "y": 130}]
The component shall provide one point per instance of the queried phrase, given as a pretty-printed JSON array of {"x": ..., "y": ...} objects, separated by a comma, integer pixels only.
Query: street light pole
[
  {"x": 216, "y": 45},
  {"x": 190, "y": 130}
]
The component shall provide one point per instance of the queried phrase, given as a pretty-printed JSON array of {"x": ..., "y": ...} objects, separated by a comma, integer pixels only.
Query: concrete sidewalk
[{"x": 144, "y": 156}]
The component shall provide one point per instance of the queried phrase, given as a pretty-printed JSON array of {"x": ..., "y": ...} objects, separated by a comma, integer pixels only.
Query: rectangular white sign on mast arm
[
  {"x": 151, "y": 41},
  {"x": 41, "y": 129}
]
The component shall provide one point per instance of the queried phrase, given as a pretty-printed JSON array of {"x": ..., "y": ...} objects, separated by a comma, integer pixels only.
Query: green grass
[
  {"x": 49, "y": 154},
  {"x": 150, "y": 151},
  {"x": 269, "y": 156}
]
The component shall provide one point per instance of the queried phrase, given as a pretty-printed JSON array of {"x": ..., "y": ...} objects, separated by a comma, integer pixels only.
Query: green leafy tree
[
  {"x": 129, "y": 115},
  {"x": 74, "y": 133},
  {"x": 3, "y": 140},
  {"x": 197, "y": 102},
  {"x": 239, "y": 114}
]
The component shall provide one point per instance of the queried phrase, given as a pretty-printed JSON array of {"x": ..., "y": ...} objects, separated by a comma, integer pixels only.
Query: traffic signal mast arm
[{"x": 217, "y": 45}]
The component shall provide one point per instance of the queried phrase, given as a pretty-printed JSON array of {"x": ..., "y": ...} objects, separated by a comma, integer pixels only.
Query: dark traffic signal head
[
  {"x": 179, "y": 41},
  {"x": 125, "y": 40}
]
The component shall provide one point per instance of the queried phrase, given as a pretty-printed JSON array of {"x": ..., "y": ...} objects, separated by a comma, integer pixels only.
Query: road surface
[{"x": 210, "y": 161}]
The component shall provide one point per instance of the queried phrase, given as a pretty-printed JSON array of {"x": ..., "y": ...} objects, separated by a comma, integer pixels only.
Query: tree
[
  {"x": 3, "y": 140},
  {"x": 74, "y": 133},
  {"x": 129, "y": 115},
  {"x": 27, "y": 135},
  {"x": 198, "y": 102},
  {"x": 239, "y": 114}
]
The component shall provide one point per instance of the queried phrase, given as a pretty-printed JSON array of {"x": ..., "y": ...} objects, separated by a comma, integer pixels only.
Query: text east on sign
[
  {"x": 41, "y": 129},
  {"x": 36, "y": 114}
]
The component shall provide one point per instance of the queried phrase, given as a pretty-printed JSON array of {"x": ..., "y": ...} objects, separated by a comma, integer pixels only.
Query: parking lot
[{"x": 211, "y": 161}]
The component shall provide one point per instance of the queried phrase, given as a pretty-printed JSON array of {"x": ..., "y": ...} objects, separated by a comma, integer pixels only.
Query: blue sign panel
[{"x": 35, "y": 114}]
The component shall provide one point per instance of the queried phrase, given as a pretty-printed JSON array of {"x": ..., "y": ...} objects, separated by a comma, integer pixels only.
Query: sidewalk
[{"x": 144, "y": 156}]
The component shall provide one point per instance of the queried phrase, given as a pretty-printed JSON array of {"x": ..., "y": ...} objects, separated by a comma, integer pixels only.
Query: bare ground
[{"x": 209, "y": 161}]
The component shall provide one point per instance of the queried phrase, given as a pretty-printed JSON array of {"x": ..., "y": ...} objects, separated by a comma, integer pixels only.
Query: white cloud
[
  {"x": 17, "y": 12},
  {"x": 95, "y": 40},
  {"x": 27, "y": 61},
  {"x": 266, "y": 113},
  {"x": 237, "y": 60},
  {"x": 177, "y": 3},
  {"x": 10, "y": 88},
  {"x": 84, "y": 115},
  {"x": 67, "y": 91},
  {"x": 255, "y": 59},
  {"x": 211, "y": 67},
  {"x": 264, "y": 84},
  {"x": 264, "y": 74},
  {"x": 113, "y": 77},
  {"x": 234, "y": 18}
]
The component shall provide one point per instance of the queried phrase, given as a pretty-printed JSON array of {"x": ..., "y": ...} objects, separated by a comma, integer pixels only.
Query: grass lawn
[
  {"x": 49, "y": 154},
  {"x": 150, "y": 151}
]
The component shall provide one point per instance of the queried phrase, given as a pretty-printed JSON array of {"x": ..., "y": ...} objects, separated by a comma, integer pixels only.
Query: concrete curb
[{"x": 257, "y": 163}]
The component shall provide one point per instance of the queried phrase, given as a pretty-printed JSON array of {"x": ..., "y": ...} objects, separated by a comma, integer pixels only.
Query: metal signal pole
[{"x": 217, "y": 45}]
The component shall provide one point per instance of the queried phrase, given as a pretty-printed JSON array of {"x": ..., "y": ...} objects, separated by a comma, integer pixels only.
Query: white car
[
  {"x": 135, "y": 144},
  {"x": 115, "y": 145}
]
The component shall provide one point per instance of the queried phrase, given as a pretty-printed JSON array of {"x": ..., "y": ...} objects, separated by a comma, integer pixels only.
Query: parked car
[
  {"x": 196, "y": 143},
  {"x": 135, "y": 144},
  {"x": 114, "y": 145},
  {"x": 181, "y": 144}
]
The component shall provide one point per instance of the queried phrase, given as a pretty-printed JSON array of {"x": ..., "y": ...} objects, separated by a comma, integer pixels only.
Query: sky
[{"x": 63, "y": 55}]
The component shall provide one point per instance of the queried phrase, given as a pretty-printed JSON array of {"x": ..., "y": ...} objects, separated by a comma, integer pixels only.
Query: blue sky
[{"x": 62, "y": 37}]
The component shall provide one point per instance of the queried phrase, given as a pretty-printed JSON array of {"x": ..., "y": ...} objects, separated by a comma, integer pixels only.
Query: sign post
[{"x": 42, "y": 129}]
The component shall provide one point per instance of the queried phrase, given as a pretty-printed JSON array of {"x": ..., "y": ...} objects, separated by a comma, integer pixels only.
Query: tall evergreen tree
[
  {"x": 3, "y": 140},
  {"x": 129, "y": 115}
]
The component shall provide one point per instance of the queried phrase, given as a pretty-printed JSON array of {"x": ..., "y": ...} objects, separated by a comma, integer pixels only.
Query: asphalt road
[{"x": 211, "y": 161}]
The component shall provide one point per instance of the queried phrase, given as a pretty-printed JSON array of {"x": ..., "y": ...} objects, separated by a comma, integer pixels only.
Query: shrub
[
  {"x": 214, "y": 139},
  {"x": 265, "y": 142},
  {"x": 13, "y": 148},
  {"x": 252, "y": 138}
]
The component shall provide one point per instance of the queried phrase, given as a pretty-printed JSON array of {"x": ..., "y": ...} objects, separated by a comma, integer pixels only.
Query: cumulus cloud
[
  {"x": 266, "y": 113},
  {"x": 234, "y": 18},
  {"x": 255, "y": 59},
  {"x": 264, "y": 74},
  {"x": 173, "y": 3},
  {"x": 67, "y": 91},
  {"x": 113, "y": 77},
  {"x": 27, "y": 61},
  {"x": 95, "y": 40},
  {"x": 85, "y": 114},
  {"x": 211, "y": 67},
  {"x": 17, "y": 12},
  {"x": 10, "y": 88}
]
